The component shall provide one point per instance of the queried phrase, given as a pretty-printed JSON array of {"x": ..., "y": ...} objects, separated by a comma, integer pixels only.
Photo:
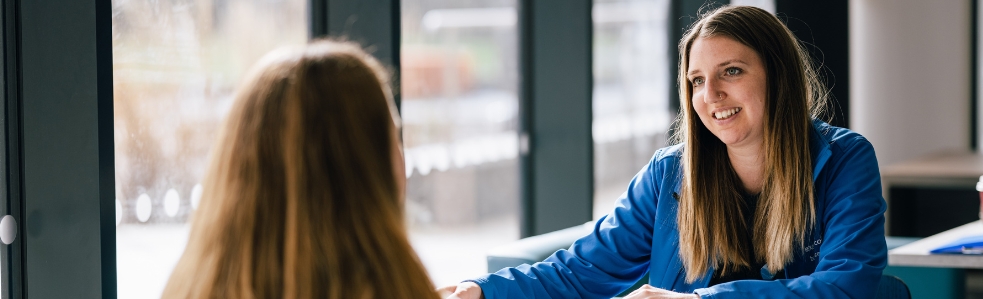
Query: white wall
[{"x": 910, "y": 76}]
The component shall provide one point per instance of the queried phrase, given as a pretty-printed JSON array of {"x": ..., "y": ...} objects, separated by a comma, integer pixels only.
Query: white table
[{"x": 916, "y": 254}]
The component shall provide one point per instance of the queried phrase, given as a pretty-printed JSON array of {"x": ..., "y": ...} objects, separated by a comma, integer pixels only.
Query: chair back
[{"x": 892, "y": 287}]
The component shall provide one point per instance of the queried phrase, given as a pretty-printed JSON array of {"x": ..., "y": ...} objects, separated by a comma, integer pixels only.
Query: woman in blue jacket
[{"x": 756, "y": 200}]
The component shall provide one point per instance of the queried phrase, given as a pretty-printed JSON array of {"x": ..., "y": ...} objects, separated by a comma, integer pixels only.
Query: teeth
[{"x": 726, "y": 113}]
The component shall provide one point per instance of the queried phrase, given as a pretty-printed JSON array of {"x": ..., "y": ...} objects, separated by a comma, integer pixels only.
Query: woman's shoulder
[
  {"x": 665, "y": 163},
  {"x": 668, "y": 154},
  {"x": 837, "y": 138}
]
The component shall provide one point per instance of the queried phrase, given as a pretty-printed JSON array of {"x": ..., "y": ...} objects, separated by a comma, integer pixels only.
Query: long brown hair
[
  {"x": 301, "y": 198},
  {"x": 711, "y": 225}
]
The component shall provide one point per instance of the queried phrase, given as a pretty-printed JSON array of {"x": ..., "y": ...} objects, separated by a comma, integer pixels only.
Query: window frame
[{"x": 59, "y": 133}]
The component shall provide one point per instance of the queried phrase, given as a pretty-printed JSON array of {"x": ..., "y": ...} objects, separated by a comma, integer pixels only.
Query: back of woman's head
[{"x": 301, "y": 199}]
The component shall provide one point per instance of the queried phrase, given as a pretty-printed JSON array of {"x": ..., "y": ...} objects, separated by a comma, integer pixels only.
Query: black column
[
  {"x": 824, "y": 27},
  {"x": 66, "y": 109},
  {"x": 555, "y": 108},
  {"x": 12, "y": 255}
]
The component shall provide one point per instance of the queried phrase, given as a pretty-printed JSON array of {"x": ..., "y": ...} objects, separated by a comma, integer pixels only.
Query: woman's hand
[
  {"x": 464, "y": 290},
  {"x": 650, "y": 292}
]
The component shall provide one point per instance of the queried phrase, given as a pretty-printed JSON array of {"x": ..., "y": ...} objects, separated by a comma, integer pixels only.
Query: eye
[
  {"x": 697, "y": 81},
  {"x": 733, "y": 71}
]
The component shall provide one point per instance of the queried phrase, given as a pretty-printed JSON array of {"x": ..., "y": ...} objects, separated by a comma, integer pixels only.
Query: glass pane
[
  {"x": 175, "y": 65},
  {"x": 460, "y": 108},
  {"x": 631, "y": 91}
]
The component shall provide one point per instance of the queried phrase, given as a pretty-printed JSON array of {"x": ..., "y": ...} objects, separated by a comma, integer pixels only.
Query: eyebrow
[{"x": 690, "y": 73}]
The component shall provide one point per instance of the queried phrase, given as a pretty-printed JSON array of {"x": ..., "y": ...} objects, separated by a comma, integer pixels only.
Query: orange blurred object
[{"x": 434, "y": 72}]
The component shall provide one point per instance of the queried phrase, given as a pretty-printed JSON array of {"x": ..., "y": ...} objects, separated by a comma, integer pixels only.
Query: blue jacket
[{"x": 844, "y": 256}]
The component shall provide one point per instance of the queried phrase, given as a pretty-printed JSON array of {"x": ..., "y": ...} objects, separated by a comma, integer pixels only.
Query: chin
[
  {"x": 728, "y": 142},
  {"x": 728, "y": 139}
]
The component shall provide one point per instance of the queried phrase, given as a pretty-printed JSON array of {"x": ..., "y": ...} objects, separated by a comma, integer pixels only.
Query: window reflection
[
  {"x": 631, "y": 91},
  {"x": 175, "y": 66},
  {"x": 460, "y": 117}
]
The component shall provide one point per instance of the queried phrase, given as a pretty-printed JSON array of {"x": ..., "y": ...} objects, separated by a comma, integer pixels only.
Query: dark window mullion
[
  {"x": 317, "y": 18},
  {"x": 556, "y": 114},
  {"x": 13, "y": 284},
  {"x": 66, "y": 149}
]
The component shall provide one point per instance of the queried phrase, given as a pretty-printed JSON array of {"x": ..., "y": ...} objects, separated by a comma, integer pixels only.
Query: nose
[{"x": 711, "y": 93}]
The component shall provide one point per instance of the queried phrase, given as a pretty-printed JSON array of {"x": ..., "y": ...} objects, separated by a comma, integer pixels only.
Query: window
[
  {"x": 460, "y": 118},
  {"x": 631, "y": 91},
  {"x": 175, "y": 66}
]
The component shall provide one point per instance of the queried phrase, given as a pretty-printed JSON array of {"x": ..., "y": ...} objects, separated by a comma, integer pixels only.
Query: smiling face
[{"x": 729, "y": 90}]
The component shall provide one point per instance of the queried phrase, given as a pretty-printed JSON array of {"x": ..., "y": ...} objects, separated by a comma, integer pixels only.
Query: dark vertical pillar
[
  {"x": 12, "y": 255},
  {"x": 105, "y": 146},
  {"x": 974, "y": 95},
  {"x": 555, "y": 101},
  {"x": 824, "y": 27},
  {"x": 67, "y": 145},
  {"x": 317, "y": 18}
]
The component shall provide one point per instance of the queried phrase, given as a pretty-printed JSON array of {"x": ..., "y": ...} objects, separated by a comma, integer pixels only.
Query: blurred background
[{"x": 902, "y": 74}]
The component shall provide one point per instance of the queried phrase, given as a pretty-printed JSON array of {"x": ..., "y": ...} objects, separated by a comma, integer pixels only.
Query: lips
[{"x": 722, "y": 115}]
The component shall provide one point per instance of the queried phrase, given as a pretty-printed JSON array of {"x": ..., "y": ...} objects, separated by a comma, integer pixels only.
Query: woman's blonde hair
[
  {"x": 301, "y": 198},
  {"x": 711, "y": 225}
]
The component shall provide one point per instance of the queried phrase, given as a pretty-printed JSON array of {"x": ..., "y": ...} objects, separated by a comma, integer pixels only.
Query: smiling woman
[
  {"x": 751, "y": 142},
  {"x": 756, "y": 199}
]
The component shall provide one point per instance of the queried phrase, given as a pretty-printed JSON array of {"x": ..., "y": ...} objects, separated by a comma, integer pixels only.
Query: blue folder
[{"x": 965, "y": 245}]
